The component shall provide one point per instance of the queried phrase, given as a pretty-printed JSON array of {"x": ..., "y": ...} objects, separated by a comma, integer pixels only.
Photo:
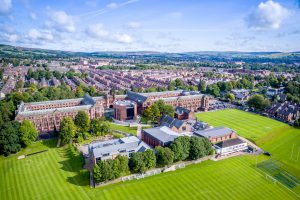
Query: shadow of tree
[{"x": 73, "y": 162}]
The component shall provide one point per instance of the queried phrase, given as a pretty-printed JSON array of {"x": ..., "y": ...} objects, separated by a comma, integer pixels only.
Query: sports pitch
[{"x": 57, "y": 173}]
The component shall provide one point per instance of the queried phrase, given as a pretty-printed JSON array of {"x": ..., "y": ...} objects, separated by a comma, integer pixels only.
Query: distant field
[
  {"x": 56, "y": 174},
  {"x": 282, "y": 140}
]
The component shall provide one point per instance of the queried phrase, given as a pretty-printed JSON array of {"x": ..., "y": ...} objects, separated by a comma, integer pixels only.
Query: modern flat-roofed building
[
  {"x": 230, "y": 146},
  {"x": 217, "y": 134},
  {"x": 112, "y": 148},
  {"x": 159, "y": 136}
]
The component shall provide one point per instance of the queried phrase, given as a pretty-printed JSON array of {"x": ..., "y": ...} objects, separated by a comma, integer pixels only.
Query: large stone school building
[{"x": 47, "y": 115}]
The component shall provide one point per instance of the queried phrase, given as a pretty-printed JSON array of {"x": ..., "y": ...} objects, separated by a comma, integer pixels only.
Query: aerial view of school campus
[{"x": 149, "y": 99}]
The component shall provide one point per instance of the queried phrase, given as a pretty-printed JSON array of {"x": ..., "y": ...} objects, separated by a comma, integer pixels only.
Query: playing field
[
  {"x": 282, "y": 140},
  {"x": 56, "y": 174}
]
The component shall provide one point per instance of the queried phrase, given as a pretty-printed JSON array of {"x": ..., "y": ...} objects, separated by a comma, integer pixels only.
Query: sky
[{"x": 152, "y": 25}]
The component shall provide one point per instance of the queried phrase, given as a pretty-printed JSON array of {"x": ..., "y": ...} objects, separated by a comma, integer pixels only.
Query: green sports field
[
  {"x": 58, "y": 174},
  {"x": 282, "y": 140}
]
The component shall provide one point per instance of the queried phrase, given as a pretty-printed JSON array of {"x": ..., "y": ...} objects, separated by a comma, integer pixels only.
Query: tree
[
  {"x": 82, "y": 121},
  {"x": 79, "y": 92},
  {"x": 99, "y": 127},
  {"x": 202, "y": 86},
  {"x": 197, "y": 149},
  {"x": 149, "y": 159},
  {"x": 208, "y": 147},
  {"x": 67, "y": 130},
  {"x": 9, "y": 138},
  {"x": 185, "y": 143},
  {"x": 19, "y": 84},
  {"x": 137, "y": 163},
  {"x": 177, "y": 149},
  {"x": 97, "y": 173},
  {"x": 123, "y": 164},
  {"x": 230, "y": 97},
  {"x": 164, "y": 108},
  {"x": 28, "y": 132},
  {"x": 164, "y": 156},
  {"x": 258, "y": 102}
]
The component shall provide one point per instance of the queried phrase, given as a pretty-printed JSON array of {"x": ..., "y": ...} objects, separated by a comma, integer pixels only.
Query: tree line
[{"x": 181, "y": 149}]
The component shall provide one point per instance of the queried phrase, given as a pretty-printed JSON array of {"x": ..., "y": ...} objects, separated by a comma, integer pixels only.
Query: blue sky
[{"x": 152, "y": 25}]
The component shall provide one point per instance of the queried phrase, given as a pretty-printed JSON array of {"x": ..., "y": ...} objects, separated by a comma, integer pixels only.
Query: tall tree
[
  {"x": 149, "y": 158},
  {"x": 28, "y": 132},
  {"x": 197, "y": 149},
  {"x": 164, "y": 156},
  {"x": 185, "y": 143},
  {"x": 177, "y": 149},
  {"x": 137, "y": 163},
  {"x": 9, "y": 138},
  {"x": 67, "y": 129},
  {"x": 82, "y": 121}
]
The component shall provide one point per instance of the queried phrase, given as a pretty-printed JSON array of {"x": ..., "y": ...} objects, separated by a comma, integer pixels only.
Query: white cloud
[
  {"x": 123, "y": 38},
  {"x": 267, "y": 15},
  {"x": 5, "y": 6},
  {"x": 134, "y": 25},
  {"x": 9, "y": 37},
  {"x": 32, "y": 15},
  {"x": 98, "y": 31},
  {"x": 36, "y": 35},
  {"x": 61, "y": 21}
]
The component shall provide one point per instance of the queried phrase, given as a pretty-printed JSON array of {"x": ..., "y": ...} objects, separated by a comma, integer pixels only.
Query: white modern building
[
  {"x": 112, "y": 148},
  {"x": 230, "y": 146}
]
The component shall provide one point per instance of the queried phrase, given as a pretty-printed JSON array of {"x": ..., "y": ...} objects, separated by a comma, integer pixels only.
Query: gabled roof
[
  {"x": 136, "y": 97},
  {"x": 162, "y": 133},
  {"x": 170, "y": 122},
  {"x": 87, "y": 100},
  {"x": 127, "y": 144},
  {"x": 228, "y": 143},
  {"x": 180, "y": 110},
  {"x": 214, "y": 132}
]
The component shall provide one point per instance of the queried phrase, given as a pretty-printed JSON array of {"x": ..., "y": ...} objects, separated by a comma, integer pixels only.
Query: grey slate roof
[
  {"x": 127, "y": 144},
  {"x": 170, "y": 122},
  {"x": 180, "y": 110},
  {"x": 214, "y": 132},
  {"x": 87, "y": 100},
  {"x": 136, "y": 97},
  {"x": 162, "y": 133},
  {"x": 228, "y": 143}
]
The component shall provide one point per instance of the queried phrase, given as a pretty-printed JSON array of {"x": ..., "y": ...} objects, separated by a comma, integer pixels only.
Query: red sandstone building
[
  {"x": 125, "y": 110},
  {"x": 47, "y": 115},
  {"x": 217, "y": 134}
]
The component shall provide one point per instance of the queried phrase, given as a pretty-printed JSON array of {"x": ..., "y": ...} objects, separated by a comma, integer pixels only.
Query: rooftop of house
[
  {"x": 115, "y": 146},
  {"x": 124, "y": 103},
  {"x": 162, "y": 133},
  {"x": 170, "y": 122},
  {"x": 229, "y": 143},
  {"x": 214, "y": 132},
  {"x": 180, "y": 110}
]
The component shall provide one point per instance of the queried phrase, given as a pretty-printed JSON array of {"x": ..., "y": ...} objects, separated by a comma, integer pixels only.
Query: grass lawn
[
  {"x": 56, "y": 174},
  {"x": 126, "y": 129},
  {"x": 282, "y": 140}
]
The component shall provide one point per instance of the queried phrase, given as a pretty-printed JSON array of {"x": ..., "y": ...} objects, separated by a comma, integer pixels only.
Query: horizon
[{"x": 141, "y": 25}]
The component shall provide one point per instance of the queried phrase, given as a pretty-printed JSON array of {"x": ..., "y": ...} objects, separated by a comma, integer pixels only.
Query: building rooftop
[
  {"x": 170, "y": 122},
  {"x": 214, "y": 132},
  {"x": 126, "y": 144},
  {"x": 124, "y": 103},
  {"x": 162, "y": 133},
  {"x": 230, "y": 142}
]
